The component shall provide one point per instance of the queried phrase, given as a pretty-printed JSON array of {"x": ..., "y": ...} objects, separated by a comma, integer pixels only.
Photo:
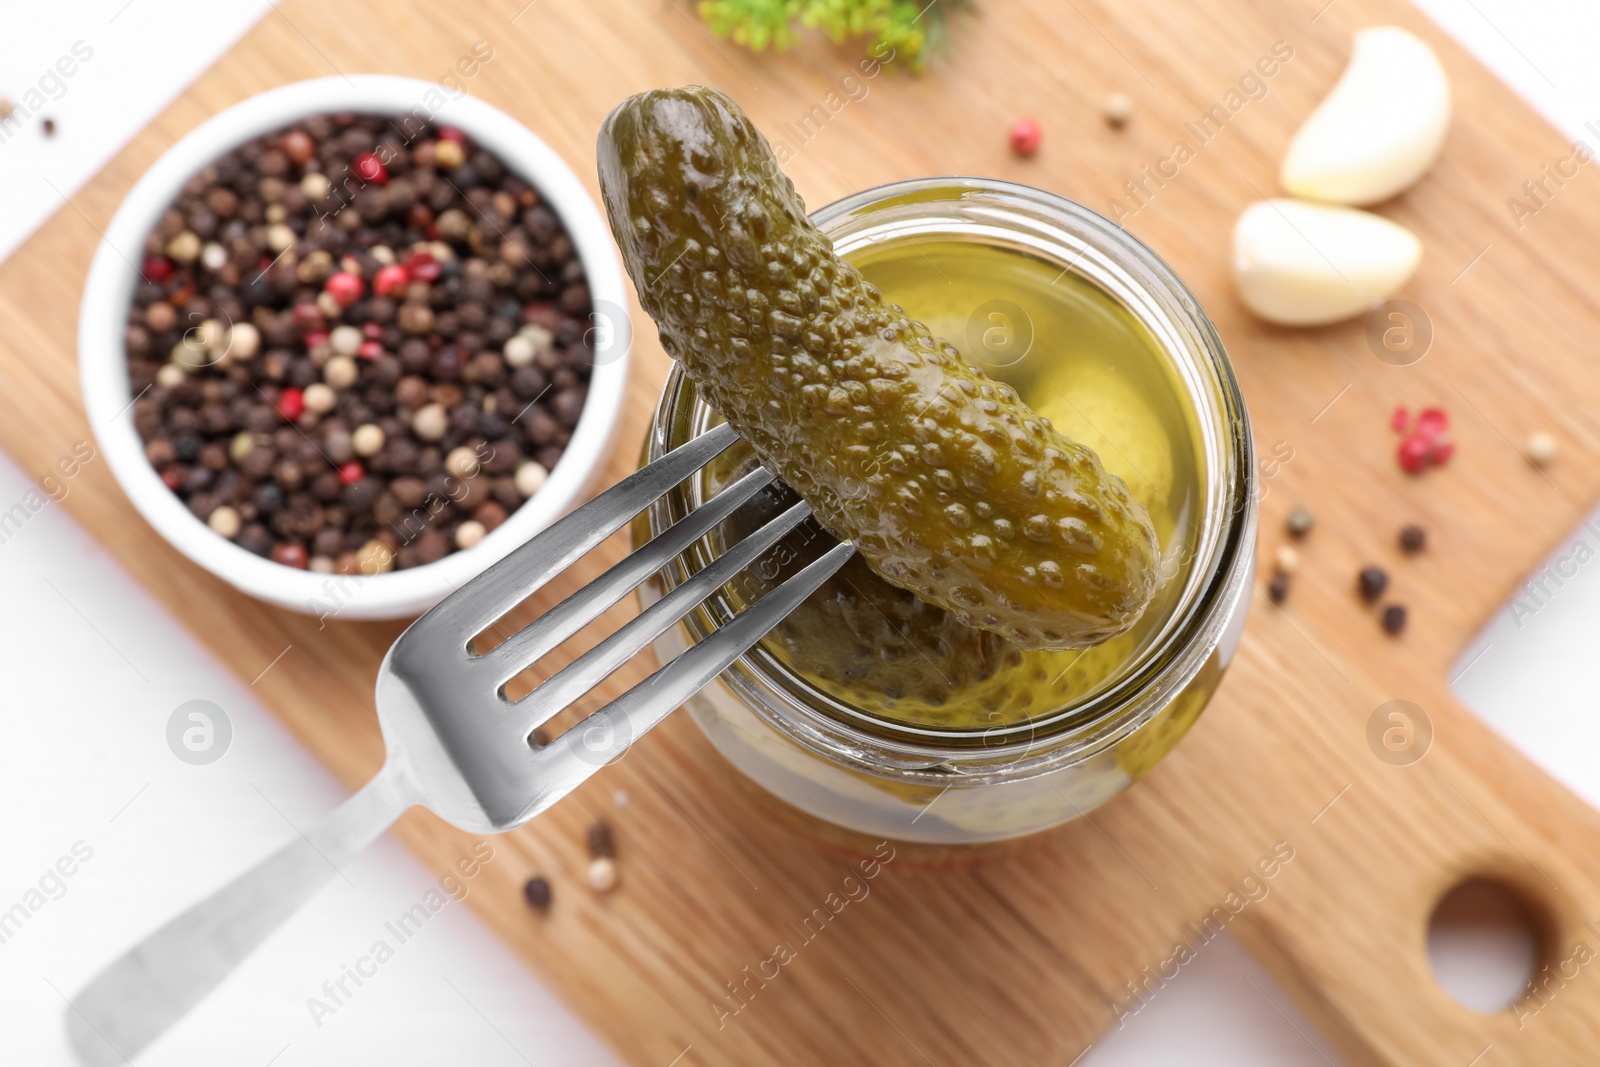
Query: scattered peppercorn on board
[{"x": 1028, "y": 953}]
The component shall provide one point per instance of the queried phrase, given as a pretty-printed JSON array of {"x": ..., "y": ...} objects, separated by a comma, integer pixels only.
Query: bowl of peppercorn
[{"x": 352, "y": 340}]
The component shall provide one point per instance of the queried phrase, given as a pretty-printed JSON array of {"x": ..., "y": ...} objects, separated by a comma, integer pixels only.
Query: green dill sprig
[{"x": 896, "y": 29}]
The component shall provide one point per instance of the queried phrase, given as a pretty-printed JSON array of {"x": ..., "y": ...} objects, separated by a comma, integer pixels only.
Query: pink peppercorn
[
  {"x": 157, "y": 268},
  {"x": 1432, "y": 422},
  {"x": 307, "y": 318},
  {"x": 369, "y": 168},
  {"x": 370, "y": 350},
  {"x": 1427, "y": 442},
  {"x": 1025, "y": 137},
  {"x": 391, "y": 280},
  {"x": 344, "y": 287},
  {"x": 1413, "y": 454},
  {"x": 351, "y": 473},
  {"x": 423, "y": 267},
  {"x": 450, "y": 133},
  {"x": 291, "y": 403}
]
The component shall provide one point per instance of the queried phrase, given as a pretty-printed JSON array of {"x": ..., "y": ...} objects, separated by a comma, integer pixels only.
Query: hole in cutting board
[{"x": 1484, "y": 944}]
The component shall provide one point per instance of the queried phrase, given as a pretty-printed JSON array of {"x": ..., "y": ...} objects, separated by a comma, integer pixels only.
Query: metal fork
[{"x": 457, "y": 745}]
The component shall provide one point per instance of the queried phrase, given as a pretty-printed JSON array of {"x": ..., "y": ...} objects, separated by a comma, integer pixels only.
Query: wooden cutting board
[{"x": 1023, "y": 954}]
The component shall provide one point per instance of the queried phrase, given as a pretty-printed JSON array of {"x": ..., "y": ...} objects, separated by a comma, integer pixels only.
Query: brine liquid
[{"x": 1081, "y": 360}]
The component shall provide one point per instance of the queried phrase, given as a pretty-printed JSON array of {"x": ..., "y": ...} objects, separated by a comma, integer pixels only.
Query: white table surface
[{"x": 94, "y": 668}]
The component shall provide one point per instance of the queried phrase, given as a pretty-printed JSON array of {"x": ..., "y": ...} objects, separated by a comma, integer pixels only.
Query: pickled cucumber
[
  {"x": 946, "y": 482},
  {"x": 857, "y": 635},
  {"x": 868, "y": 645}
]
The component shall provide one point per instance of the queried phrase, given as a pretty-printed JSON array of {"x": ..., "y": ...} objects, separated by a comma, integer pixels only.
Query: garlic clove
[
  {"x": 1379, "y": 129},
  {"x": 1302, "y": 264}
]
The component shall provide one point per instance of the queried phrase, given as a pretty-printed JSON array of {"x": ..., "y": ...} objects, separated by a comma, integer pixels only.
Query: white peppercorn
[
  {"x": 210, "y": 334},
  {"x": 1118, "y": 110},
  {"x": 346, "y": 340},
  {"x": 469, "y": 533},
  {"x": 244, "y": 340},
  {"x": 374, "y": 557},
  {"x": 367, "y": 439},
  {"x": 225, "y": 521},
  {"x": 531, "y": 476},
  {"x": 315, "y": 186},
  {"x": 319, "y": 398},
  {"x": 185, "y": 247},
  {"x": 341, "y": 372},
  {"x": 431, "y": 421},
  {"x": 279, "y": 237},
  {"x": 538, "y": 335},
  {"x": 462, "y": 462},
  {"x": 518, "y": 351},
  {"x": 603, "y": 874},
  {"x": 1542, "y": 449},
  {"x": 190, "y": 353}
]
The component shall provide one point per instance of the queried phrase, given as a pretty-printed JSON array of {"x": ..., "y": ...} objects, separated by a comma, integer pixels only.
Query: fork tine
[
  {"x": 629, "y": 716},
  {"x": 527, "y": 568},
  {"x": 584, "y": 673},
  {"x": 536, "y": 639}
]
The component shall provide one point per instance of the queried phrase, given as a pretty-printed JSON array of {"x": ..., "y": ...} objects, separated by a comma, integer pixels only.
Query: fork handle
[{"x": 155, "y": 983}]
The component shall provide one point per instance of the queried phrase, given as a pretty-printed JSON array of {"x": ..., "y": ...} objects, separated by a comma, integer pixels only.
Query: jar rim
[{"x": 1195, "y": 623}]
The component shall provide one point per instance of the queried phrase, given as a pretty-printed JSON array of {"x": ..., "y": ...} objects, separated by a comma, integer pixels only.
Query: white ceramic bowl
[{"x": 103, "y": 364}]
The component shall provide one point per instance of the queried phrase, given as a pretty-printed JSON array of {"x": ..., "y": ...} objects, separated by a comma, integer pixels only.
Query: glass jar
[{"x": 853, "y": 767}]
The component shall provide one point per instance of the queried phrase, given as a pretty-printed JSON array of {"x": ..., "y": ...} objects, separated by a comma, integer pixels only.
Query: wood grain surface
[{"x": 1023, "y": 954}]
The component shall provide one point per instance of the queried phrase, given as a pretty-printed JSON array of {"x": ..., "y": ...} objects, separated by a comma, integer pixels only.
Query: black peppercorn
[
  {"x": 446, "y": 364},
  {"x": 528, "y": 383},
  {"x": 329, "y": 541},
  {"x": 255, "y": 538},
  {"x": 600, "y": 840},
  {"x": 537, "y": 893},
  {"x": 327, "y": 486},
  {"x": 1413, "y": 539},
  {"x": 1394, "y": 618},
  {"x": 1372, "y": 581}
]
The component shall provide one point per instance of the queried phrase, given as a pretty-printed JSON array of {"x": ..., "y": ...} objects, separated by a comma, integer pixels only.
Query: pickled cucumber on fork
[{"x": 946, "y": 482}]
